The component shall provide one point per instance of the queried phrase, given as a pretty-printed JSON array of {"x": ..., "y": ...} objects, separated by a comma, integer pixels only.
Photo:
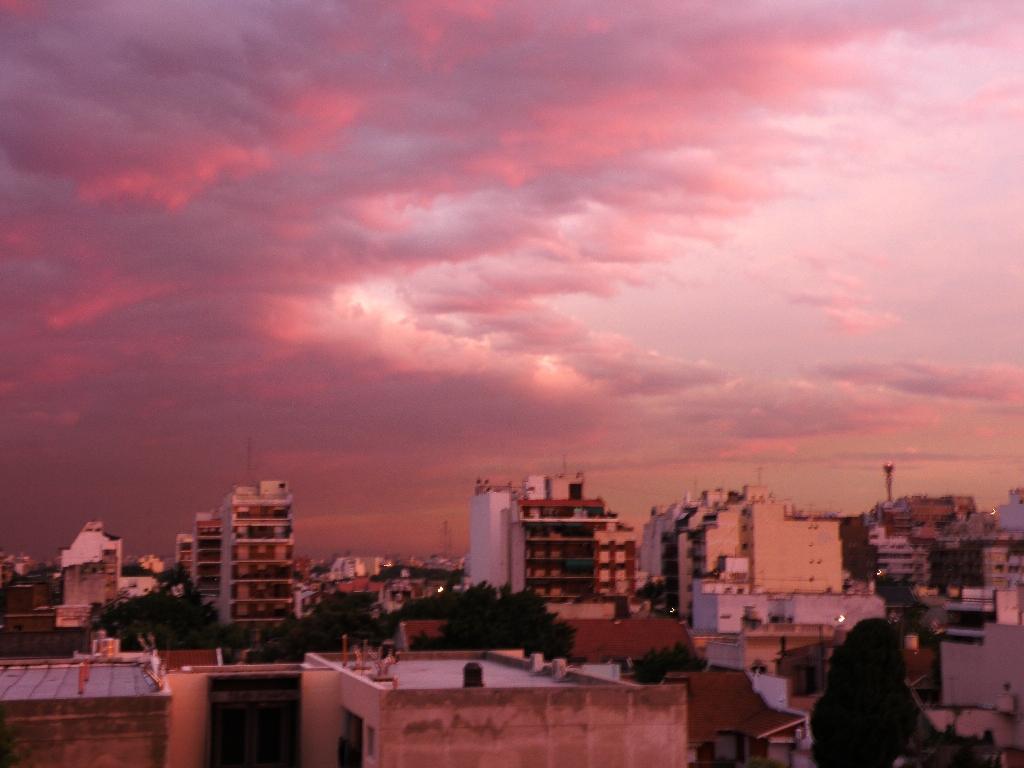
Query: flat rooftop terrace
[
  {"x": 440, "y": 674},
  {"x": 31, "y": 682}
]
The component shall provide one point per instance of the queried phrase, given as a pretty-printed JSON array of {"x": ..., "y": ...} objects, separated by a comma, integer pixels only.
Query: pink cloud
[
  {"x": 993, "y": 383},
  {"x": 389, "y": 241}
]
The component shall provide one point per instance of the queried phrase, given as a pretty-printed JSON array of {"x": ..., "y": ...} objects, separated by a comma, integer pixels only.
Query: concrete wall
[
  {"x": 975, "y": 675},
  {"x": 1011, "y": 514},
  {"x": 91, "y": 732},
  {"x": 794, "y": 554},
  {"x": 188, "y": 744},
  {"x": 606, "y": 726},
  {"x": 489, "y": 518},
  {"x": 57, "y": 644},
  {"x": 725, "y": 538},
  {"x": 724, "y": 612},
  {"x": 320, "y": 719}
]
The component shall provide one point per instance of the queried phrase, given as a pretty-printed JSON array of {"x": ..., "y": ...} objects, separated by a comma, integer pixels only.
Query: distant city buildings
[
  {"x": 349, "y": 567},
  {"x": 547, "y": 536},
  {"x": 731, "y": 542}
]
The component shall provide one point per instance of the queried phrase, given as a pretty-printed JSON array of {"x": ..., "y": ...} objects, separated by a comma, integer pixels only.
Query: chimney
[
  {"x": 472, "y": 675},
  {"x": 536, "y": 663}
]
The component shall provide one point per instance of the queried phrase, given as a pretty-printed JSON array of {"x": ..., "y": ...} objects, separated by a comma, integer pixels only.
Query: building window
[
  {"x": 350, "y": 748},
  {"x": 254, "y": 722},
  {"x": 250, "y": 735}
]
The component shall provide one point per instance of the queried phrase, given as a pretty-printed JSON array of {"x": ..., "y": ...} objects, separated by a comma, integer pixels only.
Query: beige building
[
  {"x": 257, "y": 554},
  {"x": 745, "y": 542},
  {"x": 445, "y": 710},
  {"x": 365, "y": 714},
  {"x": 790, "y": 551}
]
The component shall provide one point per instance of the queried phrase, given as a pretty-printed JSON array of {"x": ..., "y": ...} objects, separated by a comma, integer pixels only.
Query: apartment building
[
  {"x": 257, "y": 554},
  {"x": 206, "y": 555},
  {"x": 91, "y": 566},
  {"x": 547, "y": 536},
  {"x": 743, "y": 542},
  {"x": 183, "y": 551}
]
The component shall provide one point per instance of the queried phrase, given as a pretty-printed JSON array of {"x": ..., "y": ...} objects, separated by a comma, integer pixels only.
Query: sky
[{"x": 395, "y": 247}]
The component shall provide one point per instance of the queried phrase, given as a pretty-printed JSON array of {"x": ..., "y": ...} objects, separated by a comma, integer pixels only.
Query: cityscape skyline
[{"x": 402, "y": 248}]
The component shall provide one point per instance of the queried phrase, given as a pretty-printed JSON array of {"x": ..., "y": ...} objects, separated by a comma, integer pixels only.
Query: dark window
[
  {"x": 269, "y": 736},
  {"x": 350, "y": 751},
  {"x": 232, "y": 736},
  {"x": 254, "y": 734}
]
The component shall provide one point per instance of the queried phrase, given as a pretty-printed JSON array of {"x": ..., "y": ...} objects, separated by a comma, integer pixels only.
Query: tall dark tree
[
  {"x": 175, "y": 615},
  {"x": 336, "y": 615},
  {"x": 867, "y": 715}
]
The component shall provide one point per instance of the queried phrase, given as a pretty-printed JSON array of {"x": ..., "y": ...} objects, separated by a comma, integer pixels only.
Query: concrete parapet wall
[
  {"x": 606, "y": 726},
  {"x": 91, "y": 732}
]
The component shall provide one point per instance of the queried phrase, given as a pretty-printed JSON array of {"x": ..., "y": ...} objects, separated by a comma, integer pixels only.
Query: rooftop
[
  {"x": 598, "y": 640},
  {"x": 727, "y": 702},
  {"x": 25, "y": 682},
  {"x": 438, "y": 674}
]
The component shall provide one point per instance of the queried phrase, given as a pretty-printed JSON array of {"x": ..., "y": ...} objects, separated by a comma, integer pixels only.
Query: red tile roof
[
  {"x": 600, "y": 640},
  {"x": 727, "y": 701},
  {"x": 200, "y": 657},
  {"x": 358, "y": 584},
  {"x": 414, "y": 628},
  {"x": 919, "y": 664}
]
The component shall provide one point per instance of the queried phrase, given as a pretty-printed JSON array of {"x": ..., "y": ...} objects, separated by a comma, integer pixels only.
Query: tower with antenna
[{"x": 888, "y": 468}]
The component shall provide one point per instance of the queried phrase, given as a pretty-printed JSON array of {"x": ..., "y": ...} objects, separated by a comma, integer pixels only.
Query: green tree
[
  {"x": 337, "y": 615},
  {"x": 485, "y": 618},
  {"x": 866, "y": 715},
  {"x": 8, "y": 752},
  {"x": 176, "y": 616},
  {"x": 654, "y": 665}
]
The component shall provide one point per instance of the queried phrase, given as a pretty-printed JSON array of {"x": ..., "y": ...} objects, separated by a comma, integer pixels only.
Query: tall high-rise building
[
  {"x": 547, "y": 536},
  {"x": 206, "y": 555},
  {"x": 257, "y": 554}
]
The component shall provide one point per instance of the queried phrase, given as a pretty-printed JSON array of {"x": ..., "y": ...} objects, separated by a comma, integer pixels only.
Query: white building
[
  {"x": 91, "y": 566},
  {"x": 491, "y": 516},
  {"x": 1011, "y": 514},
  {"x": 719, "y": 608}
]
